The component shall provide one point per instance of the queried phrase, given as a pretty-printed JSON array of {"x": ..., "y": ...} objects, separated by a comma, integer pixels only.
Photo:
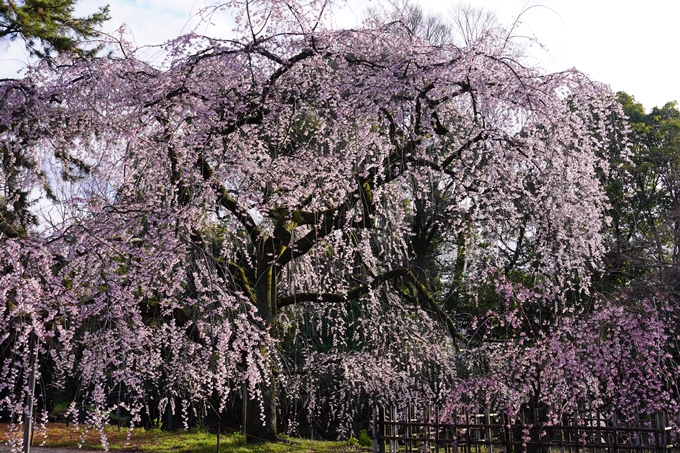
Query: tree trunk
[{"x": 260, "y": 429}]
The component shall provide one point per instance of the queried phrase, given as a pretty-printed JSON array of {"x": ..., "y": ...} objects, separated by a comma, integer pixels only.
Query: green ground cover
[{"x": 191, "y": 441}]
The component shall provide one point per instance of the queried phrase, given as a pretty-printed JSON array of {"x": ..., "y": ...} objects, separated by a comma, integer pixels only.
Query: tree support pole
[
  {"x": 244, "y": 394},
  {"x": 28, "y": 413}
]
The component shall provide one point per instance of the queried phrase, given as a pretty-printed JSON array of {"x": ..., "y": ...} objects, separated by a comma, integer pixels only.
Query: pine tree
[{"x": 48, "y": 26}]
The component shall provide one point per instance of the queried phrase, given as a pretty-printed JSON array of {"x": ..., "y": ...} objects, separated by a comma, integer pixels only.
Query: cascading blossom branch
[
  {"x": 115, "y": 294},
  {"x": 31, "y": 301},
  {"x": 615, "y": 354},
  {"x": 105, "y": 317}
]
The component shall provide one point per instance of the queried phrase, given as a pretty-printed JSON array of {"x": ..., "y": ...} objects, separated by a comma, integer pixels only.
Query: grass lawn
[{"x": 193, "y": 441}]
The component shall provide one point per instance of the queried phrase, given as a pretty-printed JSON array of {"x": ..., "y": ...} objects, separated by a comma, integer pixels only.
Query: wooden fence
[{"x": 417, "y": 430}]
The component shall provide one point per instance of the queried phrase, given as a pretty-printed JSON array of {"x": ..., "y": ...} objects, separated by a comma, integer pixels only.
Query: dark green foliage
[
  {"x": 644, "y": 192},
  {"x": 48, "y": 26},
  {"x": 364, "y": 439},
  {"x": 15, "y": 218}
]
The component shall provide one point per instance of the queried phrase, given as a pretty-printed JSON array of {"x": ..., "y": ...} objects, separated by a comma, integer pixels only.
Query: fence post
[
  {"x": 454, "y": 433},
  {"x": 660, "y": 422},
  {"x": 616, "y": 433},
  {"x": 487, "y": 420},
  {"x": 507, "y": 433},
  {"x": 599, "y": 430},
  {"x": 436, "y": 429},
  {"x": 381, "y": 421},
  {"x": 638, "y": 424},
  {"x": 407, "y": 429},
  {"x": 374, "y": 430},
  {"x": 428, "y": 419},
  {"x": 395, "y": 429}
]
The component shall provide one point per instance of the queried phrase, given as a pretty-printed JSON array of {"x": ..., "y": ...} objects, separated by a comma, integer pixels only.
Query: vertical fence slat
[
  {"x": 407, "y": 431},
  {"x": 381, "y": 420},
  {"x": 393, "y": 431},
  {"x": 436, "y": 429},
  {"x": 616, "y": 432},
  {"x": 374, "y": 430}
]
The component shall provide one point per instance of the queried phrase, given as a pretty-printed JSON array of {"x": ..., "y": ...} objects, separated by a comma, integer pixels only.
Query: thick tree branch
[
  {"x": 478, "y": 138},
  {"x": 429, "y": 303},
  {"x": 419, "y": 100},
  {"x": 325, "y": 223},
  {"x": 310, "y": 297},
  {"x": 231, "y": 204},
  {"x": 241, "y": 279},
  {"x": 240, "y": 213},
  {"x": 516, "y": 253}
]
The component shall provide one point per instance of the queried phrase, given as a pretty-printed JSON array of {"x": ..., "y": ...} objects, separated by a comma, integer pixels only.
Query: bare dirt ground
[
  {"x": 4, "y": 449},
  {"x": 63, "y": 440}
]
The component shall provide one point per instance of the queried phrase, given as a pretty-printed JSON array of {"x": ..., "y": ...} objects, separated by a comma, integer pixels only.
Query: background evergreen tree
[{"x": 49, "y": 26}]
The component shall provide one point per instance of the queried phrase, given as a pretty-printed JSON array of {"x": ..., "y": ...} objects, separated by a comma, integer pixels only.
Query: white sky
[{"x": 631, "y": 45}]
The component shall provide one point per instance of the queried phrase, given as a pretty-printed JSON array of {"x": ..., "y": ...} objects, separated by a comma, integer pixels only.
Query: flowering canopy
[
  {"x": 262, "y": 189},
  {"x": 613, "y": 355}
]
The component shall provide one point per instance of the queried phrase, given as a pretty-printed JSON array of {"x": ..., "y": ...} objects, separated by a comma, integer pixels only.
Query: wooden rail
[{"x": 414, "y": 430}]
